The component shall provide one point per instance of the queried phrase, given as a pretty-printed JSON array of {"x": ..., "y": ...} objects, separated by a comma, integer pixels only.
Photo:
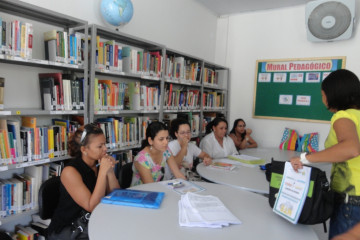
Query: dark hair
[
  {"x": 175, "y": 124},
  {"x": 342, "y": 90},
  {"x": 214, "y": 123},
  {"x": 81, "y": 137},
  {"x": 242, "y": 135},
  {"x": 151, "y": 132}
]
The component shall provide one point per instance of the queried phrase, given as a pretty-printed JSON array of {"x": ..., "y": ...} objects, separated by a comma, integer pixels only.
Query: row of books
[
  {"x": 61, "y": 92},
  {"x": 22, "y": 142},
  {"x": 193, "y": 119},
  {"x": 213, "y": 100},
  {"x": 181, "y": 99},
  {"x": 111, "y": 95},
  {"x": 210, "y": 77},
  {"x": 123, "y": 131},
  {"x": 113, "y": 56},
  {"x": 30, "y": 232},
  {"x": 20, "y": 193},
  {"x": 16, "y": 38},
  {"x": 64, "y": 47},
  {"x": 181, "y": 68}
]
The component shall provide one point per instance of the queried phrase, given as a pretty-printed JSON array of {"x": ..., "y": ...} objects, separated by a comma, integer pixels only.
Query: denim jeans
[{"x": 345, "y": 216}]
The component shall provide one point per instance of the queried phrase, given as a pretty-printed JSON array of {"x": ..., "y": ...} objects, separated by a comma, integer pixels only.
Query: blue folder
[{"x": 134, "y": 198}]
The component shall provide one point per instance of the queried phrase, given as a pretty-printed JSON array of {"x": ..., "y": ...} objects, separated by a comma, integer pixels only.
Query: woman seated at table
[
  {"x": 149, "y": 163},
  {"x": 182, "y": 149},
  {"x": 241, "y": 135},
  {"x": 83, "y": 184},
  {"x": 216, "y": 143}
]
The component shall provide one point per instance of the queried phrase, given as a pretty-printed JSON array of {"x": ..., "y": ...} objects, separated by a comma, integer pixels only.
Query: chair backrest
[
  {"x": 49, "y": 194},
  {"x": 126, "y": 173}
]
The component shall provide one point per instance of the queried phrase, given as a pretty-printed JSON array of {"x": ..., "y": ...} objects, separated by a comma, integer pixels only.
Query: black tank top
[{"x": 67, "y": 209}]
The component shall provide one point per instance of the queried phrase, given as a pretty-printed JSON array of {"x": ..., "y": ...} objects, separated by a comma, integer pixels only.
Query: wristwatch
[{"x": 303, "y": 158}]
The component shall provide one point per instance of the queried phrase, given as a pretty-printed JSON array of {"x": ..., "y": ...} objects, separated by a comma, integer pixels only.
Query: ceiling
[{"x": 228, "y": 7}]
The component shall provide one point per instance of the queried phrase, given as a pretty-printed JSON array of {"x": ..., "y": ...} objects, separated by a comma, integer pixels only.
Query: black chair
[
  {"x": 49, "y": 194},
  {"x": 126, "y": 173}
]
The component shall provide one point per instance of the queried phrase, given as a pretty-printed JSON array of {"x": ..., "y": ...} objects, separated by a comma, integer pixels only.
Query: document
[
  {"x": 204, "y": 211},
  {"x": 292, "y": 193},
  {"x": 247, "y": 160},
  {"x": 182, "y": 186}
]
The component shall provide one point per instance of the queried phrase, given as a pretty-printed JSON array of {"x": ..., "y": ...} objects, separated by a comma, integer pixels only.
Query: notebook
[{"x": 134, "y": 198}]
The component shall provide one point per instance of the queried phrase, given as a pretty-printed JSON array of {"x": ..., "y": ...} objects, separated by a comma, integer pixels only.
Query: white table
[
  {"x": 258, "y": 221},
  {"x": 250, "y": 178}
]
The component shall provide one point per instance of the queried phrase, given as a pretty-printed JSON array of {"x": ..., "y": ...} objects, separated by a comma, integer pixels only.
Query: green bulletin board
[{"x": 291, "y": 88}]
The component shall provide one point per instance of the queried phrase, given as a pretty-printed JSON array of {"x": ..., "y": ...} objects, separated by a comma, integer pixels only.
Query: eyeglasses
[{"x": 185, "y": 133}]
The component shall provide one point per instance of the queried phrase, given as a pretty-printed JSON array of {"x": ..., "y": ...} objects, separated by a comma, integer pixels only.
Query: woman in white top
[
  {"x": 217, "y": 144},
  {"x": 183, "y": 151}
]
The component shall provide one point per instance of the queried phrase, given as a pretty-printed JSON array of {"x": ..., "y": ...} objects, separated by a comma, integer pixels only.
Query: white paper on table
[
  {"x": 204, "y": 211},
  {"x": 292, "y": 193}
]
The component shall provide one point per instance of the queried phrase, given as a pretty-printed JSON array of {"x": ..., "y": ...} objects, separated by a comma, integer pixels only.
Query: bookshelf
[
  {"x": 157, "y": 68},
  {"x": 21, "y": 62},
  {"x": 124, "y": 87}
]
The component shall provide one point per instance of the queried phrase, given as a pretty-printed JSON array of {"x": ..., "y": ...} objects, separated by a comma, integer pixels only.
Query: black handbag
[
  {"x": 319, "y": 203},
  {"x": 79, "y": 227}
]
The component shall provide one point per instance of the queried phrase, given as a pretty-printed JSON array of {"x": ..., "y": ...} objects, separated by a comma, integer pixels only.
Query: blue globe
[{"x": 117, "y": 12}]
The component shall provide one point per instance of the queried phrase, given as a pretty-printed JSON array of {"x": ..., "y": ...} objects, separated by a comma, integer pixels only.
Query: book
[
  {"x": 58, "y": 88},
  {"x": 222, "y": 165},
  {"x": 134, "y": 198},
  {"x": 48, "y": 102},
  {"x": 2, "y": 92}
]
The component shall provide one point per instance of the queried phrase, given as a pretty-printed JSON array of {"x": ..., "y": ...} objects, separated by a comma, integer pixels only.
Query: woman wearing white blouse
[{"x": 216, "y": 143}]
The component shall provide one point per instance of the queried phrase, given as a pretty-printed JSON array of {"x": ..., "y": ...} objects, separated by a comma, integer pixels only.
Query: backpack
[{"x": 319, "y": 203}]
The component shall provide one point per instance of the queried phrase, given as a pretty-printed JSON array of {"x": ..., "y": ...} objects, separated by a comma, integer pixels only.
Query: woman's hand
[
  {"x": 207, "y": 160},
  {"x": 248, "y": 132},
  {"x": 107, "y": 164},
  {"x": 183, "y": 142},
  {"x": 296, "y": 163}
]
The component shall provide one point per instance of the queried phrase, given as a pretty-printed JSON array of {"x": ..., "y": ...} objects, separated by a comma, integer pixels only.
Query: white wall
[
  {"x": 183, "y": 25},
  {"x": 272, "y": 34}
]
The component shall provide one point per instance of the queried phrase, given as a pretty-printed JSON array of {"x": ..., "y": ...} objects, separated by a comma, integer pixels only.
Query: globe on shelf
[{"x": 117, "y": 12}]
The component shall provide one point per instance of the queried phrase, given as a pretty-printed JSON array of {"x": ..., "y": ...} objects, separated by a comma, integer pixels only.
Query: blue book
[{"x": 134, "y": 198}]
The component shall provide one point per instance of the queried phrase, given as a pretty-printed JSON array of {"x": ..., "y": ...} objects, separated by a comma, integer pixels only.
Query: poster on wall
[{"x": 290, "y": 89}]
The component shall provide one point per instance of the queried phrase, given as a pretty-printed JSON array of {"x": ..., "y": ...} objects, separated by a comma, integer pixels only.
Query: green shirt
[{"x": 345, "y": 176}]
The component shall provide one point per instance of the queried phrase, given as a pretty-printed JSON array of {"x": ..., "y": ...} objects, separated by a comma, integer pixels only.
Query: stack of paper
[{"x": 204, "y": 211}]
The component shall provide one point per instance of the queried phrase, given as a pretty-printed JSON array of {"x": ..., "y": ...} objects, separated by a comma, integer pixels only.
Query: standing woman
[
  {"x": 149, "y": 163},
  {"x": 83, "y": 184},
  {"x": 216, "y": 143},
  {"x": 341, "y": 95},
  {"x": 241, "y": 135}
]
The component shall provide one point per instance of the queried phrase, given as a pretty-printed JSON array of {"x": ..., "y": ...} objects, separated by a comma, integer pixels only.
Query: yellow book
[
  {"x": 116, "y": 130},
  {"x": 23, "y": 41},
  {"x": 21, "y": 235},
  {"x": 29, "y": 122},
  {"x": 51, "y": 142},
  {"x": 101, "y": 53},
  {"x": 2, "y": 146}
]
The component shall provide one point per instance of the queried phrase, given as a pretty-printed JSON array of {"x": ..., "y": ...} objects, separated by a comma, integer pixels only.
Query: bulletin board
[{"x": 290, "y": 89}]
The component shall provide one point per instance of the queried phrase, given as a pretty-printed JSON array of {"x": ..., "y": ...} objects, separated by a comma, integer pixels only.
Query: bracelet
[{"x": 303, "y": 158}]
